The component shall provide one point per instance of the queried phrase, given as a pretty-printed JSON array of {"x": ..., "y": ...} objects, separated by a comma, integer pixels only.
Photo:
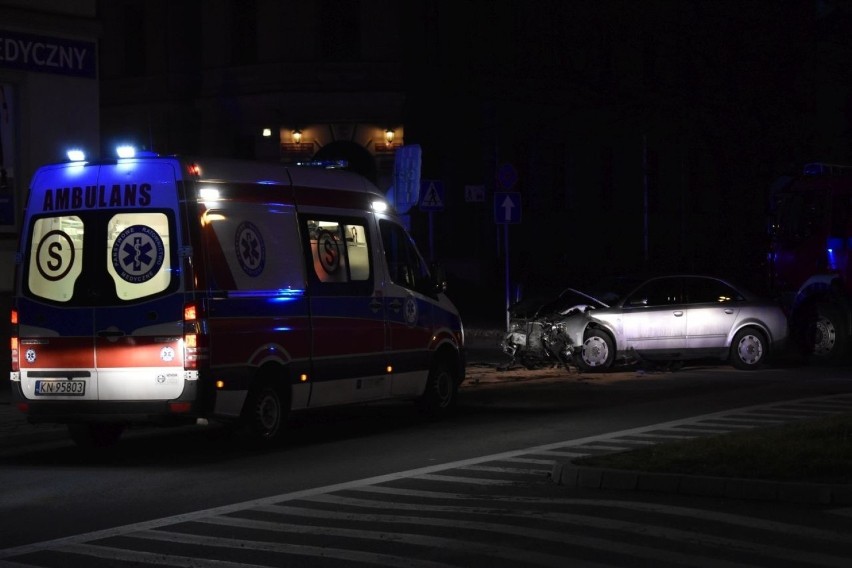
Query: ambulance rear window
[
  {"x": 56, "y": 257},
  {"x": 101, "y": 257}
]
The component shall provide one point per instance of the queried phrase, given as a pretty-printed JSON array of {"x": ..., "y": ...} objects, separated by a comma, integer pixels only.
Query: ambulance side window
[
  {"x": 405, "y": 265},
  {"x": 339, "y": 251}
]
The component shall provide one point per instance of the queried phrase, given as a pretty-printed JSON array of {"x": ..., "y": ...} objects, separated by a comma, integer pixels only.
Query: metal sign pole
[
  {"x": 431, "y": 237},
  {"x": 506, "y": 252}
]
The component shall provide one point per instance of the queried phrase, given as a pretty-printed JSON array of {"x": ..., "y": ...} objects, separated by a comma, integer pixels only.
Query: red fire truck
[{"x": 809, "y": 260}]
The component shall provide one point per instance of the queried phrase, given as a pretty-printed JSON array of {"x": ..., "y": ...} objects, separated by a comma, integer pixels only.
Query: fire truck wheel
[
  {"x": 89, "y": 436},
  {"x": 748, "y": 349},
  {"x": 597, "y": 352},
  {"x": 830, "y": 340},
  {"x": 441, "y": 392},
  {"x": 264, "y": 414}
]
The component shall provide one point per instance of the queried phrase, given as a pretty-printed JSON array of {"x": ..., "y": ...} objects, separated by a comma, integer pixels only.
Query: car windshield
[{"x": 567, "y": 299}]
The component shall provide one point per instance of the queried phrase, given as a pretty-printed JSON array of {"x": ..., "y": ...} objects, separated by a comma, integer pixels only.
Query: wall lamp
[
  {"x": 267, "y": 132},
  {"x": 389, "y": 136},
  {"x": 297, "y": 136}
]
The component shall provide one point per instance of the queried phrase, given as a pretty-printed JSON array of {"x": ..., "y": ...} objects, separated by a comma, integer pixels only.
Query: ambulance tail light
[
  {"x": 14, "y": 343},
  {"x": 194, "y": 337}
]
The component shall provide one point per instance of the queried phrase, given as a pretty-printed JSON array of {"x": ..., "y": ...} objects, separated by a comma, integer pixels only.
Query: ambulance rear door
[{"x": 101, "y": 312}]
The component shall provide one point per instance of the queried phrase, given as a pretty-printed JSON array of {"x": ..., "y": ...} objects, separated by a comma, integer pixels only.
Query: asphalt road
[{"x": 379, "y": 485}]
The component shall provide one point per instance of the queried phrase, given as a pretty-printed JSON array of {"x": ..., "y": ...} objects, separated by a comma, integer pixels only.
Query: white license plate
[{"x": 64, "y": 388}]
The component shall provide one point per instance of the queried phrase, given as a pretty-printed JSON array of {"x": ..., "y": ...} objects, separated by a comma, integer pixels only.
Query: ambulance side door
[
  {"x": 408, "y": 310},
  {"x": 347, "y": 317}
]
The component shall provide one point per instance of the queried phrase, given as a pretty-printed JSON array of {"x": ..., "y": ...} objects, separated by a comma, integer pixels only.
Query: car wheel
[
  {"x": 264, "y": 414},
  {"x": 748, "y": 349},
  {"x": 830, "y": 340},
  {"x": 90, "y": 436},
  {"x": 441, "y": 391},
  {"x": 598, "y": 351}
]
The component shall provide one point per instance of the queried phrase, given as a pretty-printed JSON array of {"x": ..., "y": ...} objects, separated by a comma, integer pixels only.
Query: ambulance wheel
[
  {"x": 830, "y": 339},
  {"x": 96, "y": 435},
  {"x": 441, "y": 392},
  {"x": 264, "y": 414}
]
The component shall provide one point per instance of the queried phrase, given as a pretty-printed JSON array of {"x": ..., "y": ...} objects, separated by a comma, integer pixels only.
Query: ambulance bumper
[{"x": 183, "y": 410}]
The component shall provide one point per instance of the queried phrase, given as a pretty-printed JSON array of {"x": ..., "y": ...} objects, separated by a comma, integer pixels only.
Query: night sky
[{"x": 714, "y": 101}]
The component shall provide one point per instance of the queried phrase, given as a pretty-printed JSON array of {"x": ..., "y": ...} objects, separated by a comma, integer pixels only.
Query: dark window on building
[
  {"x": 183, "y": 37},
  {"x": 649, "y": 58},
  {"x": 243, "y": 32},
  {"x": 135, "y": 44},
  {"x": 607, "y": 179},
  {"x": 340, "y": 30},
  {"x": 560, "y": 175}
]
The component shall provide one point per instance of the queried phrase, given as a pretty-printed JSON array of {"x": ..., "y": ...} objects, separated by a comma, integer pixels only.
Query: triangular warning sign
[{"x": 432, "y": 198}]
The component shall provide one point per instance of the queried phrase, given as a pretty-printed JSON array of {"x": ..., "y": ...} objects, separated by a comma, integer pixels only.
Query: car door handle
[
  {"x": 729, "y": 311},
  {"x": 375, "y": 305},
  {"x": 395, "y": 304},
  {"x": 677, "y": 314}
]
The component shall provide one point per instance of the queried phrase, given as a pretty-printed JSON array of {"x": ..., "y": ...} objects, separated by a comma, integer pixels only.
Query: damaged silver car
[
  {"x": 537, "y": 335},
  {"x": 664, "y": 319}
]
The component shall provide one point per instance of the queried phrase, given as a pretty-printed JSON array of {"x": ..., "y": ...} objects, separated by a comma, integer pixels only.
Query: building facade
[
  {"x": 49, "y": 99},
  {"x": 638, "y": 136}
]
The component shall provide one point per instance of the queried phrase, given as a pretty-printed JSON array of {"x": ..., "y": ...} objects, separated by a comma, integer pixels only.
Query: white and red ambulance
[{"x": 160, "y": 289}]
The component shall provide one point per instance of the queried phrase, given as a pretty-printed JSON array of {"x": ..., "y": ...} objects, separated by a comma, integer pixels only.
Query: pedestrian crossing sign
[{"x": 431, "y": 195}]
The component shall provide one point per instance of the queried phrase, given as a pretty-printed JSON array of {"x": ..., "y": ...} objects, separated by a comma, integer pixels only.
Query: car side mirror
[{"x": 438, "y": 278}]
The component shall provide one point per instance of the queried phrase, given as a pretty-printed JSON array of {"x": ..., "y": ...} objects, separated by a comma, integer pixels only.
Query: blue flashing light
[
  {"x": 125, "y": 151},
  {"x": 287, "y": 296},
  {"x": 819, "y": 168},
  {"x": 76, "y": 155},
  {"x": 275, "y": 296}
]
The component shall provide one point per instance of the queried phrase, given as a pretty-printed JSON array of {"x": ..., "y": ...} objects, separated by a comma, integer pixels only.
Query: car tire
[
  {"x": 439, "y": 397},
  {"x": 264, "y": 414},
  {"x": 96, "y": 435},
  {"x": 749, "y": 349},
  {"x": 597, "y": 352}
]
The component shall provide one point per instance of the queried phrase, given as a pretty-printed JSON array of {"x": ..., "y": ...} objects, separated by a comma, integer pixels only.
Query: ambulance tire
[
  {"x": 96, "y": 435},
  {"x": 439, "y": 397},
  {"x": 264, "y": 414}
]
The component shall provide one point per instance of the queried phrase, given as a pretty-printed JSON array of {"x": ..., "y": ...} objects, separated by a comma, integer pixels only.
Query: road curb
[{"x": 583, "y": 477}]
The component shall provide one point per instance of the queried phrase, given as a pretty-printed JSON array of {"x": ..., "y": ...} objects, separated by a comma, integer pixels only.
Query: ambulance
[{"x": 172, "y": 290}]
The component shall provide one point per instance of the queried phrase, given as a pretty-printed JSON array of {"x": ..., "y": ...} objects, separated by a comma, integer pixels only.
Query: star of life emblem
[
  {"x": 167, "y": 354},
  {"x": 410, "y": 310}
]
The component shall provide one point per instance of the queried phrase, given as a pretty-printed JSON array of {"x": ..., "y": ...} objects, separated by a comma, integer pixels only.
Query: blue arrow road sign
[{"x": 507, "y": 207}]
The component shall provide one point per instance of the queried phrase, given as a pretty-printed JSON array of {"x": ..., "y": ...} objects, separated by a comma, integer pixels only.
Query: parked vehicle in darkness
[
  {"x": 810, "y": 271},
  {"x": 664, "y": 319}
]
